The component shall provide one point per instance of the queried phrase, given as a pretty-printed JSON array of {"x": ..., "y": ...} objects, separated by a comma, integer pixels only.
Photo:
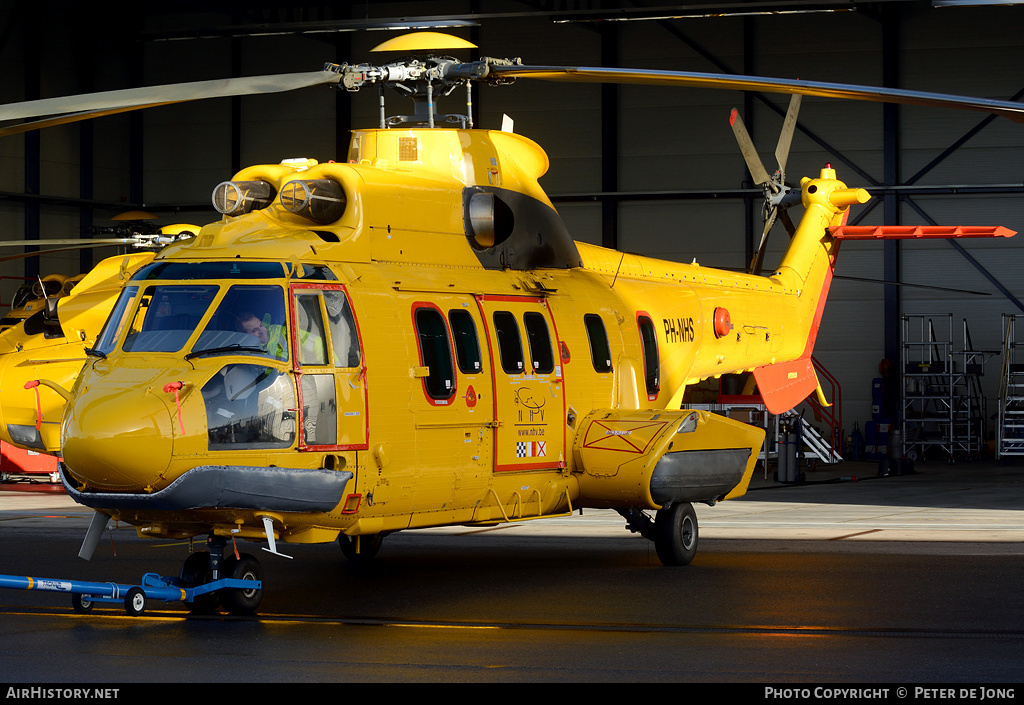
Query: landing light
[
  {"x": 241, "y": 197},
  {"x": 320, "y": 200}
]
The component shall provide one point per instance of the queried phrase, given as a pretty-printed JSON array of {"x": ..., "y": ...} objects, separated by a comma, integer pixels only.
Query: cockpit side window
[
  {"x": 115, "y": 322},
  {"x": 250, "y": 320}
]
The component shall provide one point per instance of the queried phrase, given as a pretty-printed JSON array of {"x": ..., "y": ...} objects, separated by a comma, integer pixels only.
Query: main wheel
[
  {"x": 196, "y": 571},
  {"x": 675, "y": 534},
  {"x": 368, "y": 546},
  {"x": 135, "y": 602},
  {"x": 241, "y": 601}
]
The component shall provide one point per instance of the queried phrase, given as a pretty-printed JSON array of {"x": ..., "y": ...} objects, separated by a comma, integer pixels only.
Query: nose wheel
[{"x": 204, "y": 567}]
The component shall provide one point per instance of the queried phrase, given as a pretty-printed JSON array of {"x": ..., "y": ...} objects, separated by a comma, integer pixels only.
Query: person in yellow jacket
[{"x": 272, "y": 337}]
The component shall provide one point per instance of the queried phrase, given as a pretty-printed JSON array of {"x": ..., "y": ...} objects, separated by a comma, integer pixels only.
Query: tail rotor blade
[
  {"x": 757, "y": 170},
  {"x": 787, "y": 222},
  {"x": 755, "y": 266},
  {"x": 786, "y": 136}
]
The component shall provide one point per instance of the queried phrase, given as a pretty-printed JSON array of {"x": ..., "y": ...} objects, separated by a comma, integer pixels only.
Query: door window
[
  {"x": 510, "y": 345},
  {"x": 329, "y": 368},
  {"x": 540, "y": 342}
]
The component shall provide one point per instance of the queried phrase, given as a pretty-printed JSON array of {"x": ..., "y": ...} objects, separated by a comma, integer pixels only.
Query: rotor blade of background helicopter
[
  {"x": 747, "y": 149},
  {"x": 70, "y": 241},
  {"x": 786, "y": 136},
  {"x": 130, "y": 98},
  {"x": 587, "y": 74},
  {"x": 26, "y": 255}
]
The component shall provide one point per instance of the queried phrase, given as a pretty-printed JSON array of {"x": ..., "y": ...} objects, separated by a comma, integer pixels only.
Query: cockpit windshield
[
  {"x": 250, "y": 319},
  {"x": 167, "y": 316}
]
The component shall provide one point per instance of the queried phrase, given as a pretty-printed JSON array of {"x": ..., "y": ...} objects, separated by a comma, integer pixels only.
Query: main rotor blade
[
  {"x": 786, "y": 136},
  {"x": 757, "y": 170},
  {"x": 94, "y": 104},
  {"x": 587, "y": 74}
]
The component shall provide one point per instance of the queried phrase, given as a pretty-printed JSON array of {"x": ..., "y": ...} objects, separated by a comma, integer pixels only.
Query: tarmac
[{"x": 936, "y": 505}]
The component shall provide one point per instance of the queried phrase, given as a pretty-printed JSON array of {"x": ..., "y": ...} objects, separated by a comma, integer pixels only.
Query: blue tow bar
[{"x": 84, "y": 595}]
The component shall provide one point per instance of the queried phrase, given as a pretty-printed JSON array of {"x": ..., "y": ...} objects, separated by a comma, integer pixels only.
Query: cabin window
[
  {"x": 435, "y": 353},
  {"x": 344, "y": 338},
  {"x": 540, "y": 342},
  {"x": 510, "y": 345},
  {"x": 249, "y": 406},
  {"x": 250, "y": 320},
  {"x": 649, "y": 340},
  {"x": 467, "y": 345},
  {"x": 167, "y": 316},
  {"x": 600, "y": 353}
]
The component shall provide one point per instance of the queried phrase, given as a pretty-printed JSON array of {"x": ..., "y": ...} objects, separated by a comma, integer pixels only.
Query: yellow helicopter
[
  {"x": 58, "y": 317},
  {"x": 411, "y": 338}
]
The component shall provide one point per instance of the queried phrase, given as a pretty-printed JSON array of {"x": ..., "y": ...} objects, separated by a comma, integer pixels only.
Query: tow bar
[{"x": 84, "y": 595}]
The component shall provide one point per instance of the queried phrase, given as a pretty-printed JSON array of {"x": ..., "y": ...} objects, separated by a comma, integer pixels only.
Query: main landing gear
[{"x": 673, "y": 531}]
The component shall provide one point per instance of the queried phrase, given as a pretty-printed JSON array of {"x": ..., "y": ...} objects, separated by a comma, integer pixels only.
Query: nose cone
[{"x": 118, "y": 440}]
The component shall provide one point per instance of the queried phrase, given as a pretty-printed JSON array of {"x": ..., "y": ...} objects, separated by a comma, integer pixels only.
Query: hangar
[{"x": 642, "y": 169}]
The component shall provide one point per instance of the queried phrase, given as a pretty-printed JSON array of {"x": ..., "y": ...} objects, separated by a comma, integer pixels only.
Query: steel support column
[
  {"x": 609, "y": 140},
  {"x": 33, "y": 141},
  {"x": 892, "y": 313}
]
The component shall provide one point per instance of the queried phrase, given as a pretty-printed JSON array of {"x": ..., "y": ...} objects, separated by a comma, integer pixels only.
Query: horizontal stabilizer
[
  {"x": 786, "y": 384},
  {"x": 914, "y": 232}
]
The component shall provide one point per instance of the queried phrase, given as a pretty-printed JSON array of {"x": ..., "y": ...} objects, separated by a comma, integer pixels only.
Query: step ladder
[
  {"x": 1010, "y": 433},
  {"x": 814, "y": 443}
]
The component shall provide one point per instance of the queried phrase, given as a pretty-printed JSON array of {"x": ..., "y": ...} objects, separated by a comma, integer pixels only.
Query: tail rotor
[{"x": 777, "y": 195}]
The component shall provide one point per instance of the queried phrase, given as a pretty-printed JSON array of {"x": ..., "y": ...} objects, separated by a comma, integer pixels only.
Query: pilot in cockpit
[{"x": 271, "y": 335}]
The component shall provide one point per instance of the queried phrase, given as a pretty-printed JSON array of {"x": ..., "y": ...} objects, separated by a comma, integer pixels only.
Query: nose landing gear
[{"x": 206, "y": 568}]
